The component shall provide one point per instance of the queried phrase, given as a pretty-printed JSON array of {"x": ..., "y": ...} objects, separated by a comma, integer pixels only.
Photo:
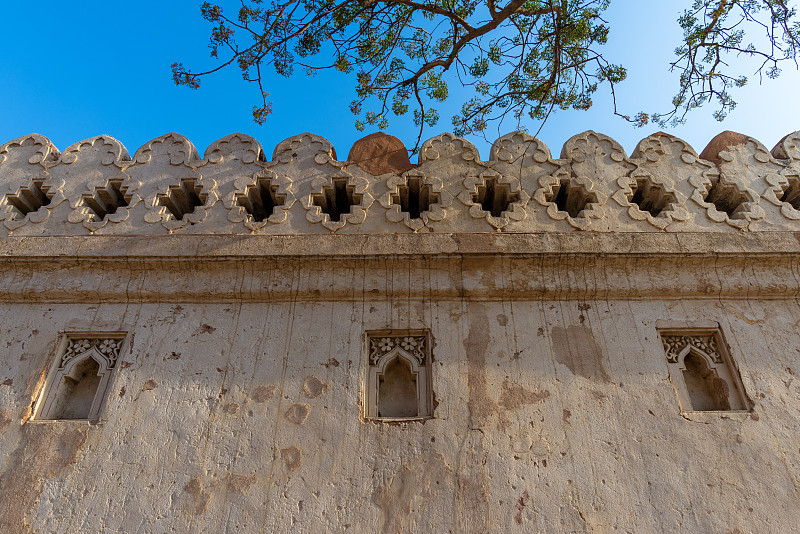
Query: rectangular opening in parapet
[
  {"x": 337, "y": 200},
  {"x": 182, "y": 199},
  {"x": 78, "y": 382},
  {"x": 726, "y": 198},
  {"x": 570, "y": 197},
  {"x": 791, "y": 195},
  {"x": 415, "y": 197},
  {"x": 494, "y": 197},
  {"x": 28, "y": 199},
  {"x": 398, "y": 375},
  {"x": 260, "y": 199},
  {"x": 106, "y": 200},
  {"x": 702, "y": 372},
  {"x": 650, "y": 197}
]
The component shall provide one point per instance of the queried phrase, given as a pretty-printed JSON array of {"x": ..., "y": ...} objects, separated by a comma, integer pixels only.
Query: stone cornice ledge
[
  {"x": 312, "y": 268},
  {"x": 216, "y": 247}
]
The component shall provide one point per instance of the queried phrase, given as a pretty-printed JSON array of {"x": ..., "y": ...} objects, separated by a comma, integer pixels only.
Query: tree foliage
[{"x": 519, "y": 58}]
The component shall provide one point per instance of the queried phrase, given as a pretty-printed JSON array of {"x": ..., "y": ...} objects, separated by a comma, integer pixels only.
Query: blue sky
[{"x": 73, "y": 70}]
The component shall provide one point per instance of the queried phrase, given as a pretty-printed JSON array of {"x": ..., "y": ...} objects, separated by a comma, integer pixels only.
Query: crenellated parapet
[{"x": 96, "y": 187}]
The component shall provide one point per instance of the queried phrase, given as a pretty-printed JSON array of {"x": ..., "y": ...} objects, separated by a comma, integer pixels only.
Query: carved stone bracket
[{"x": 436, "y": 210}]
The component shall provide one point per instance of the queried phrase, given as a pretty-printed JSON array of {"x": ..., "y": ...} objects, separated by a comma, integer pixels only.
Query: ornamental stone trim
[
  {"x": 674, "y": 345},
  {"x": 745, "y": 187},
  {"x": 76, "y": 346},
  {"x": 436, "y": 210},
  {"x": 357, "y": 212},
  {"x": 283, "y": 190},
  {"x": 515, "y": 211},
  {"x": 205, "y": 189}
]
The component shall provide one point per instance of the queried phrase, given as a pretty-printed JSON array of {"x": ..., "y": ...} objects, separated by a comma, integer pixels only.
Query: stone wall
[{"x": 236, "y": 401}]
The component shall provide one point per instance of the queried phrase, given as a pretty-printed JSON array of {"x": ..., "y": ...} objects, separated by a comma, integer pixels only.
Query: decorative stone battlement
[
  {"x": 95, "y": 187},
  {"x": 591, "y": 343}
]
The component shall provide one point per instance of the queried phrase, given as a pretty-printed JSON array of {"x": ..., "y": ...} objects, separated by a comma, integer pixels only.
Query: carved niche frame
[
  {"x": 704, "y": 340},
  {"x": 382, "y": 348},
  {"x": 64, "y": 361}
]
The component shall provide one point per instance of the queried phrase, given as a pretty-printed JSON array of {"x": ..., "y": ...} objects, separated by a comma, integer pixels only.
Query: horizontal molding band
[
  {"x": 182, "y": 247},
  {"x": 97, "y": 269}
]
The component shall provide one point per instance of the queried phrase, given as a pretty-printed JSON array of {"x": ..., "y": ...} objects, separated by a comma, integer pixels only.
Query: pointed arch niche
[
  {"x": 397, "y": 385},
  {"x": 77, "y": 384},
  {"x": 702, "y": 372}
]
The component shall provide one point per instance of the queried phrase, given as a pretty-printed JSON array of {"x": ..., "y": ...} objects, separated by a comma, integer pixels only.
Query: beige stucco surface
[{"x": 236, "y": 402}]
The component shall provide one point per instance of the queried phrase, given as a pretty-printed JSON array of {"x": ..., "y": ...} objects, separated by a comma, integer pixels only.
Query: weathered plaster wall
[
  {"x": 551, "y": 416},
  {"x": 236, "y": 402}
]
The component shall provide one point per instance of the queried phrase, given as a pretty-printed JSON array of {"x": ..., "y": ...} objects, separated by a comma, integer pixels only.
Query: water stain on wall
[
  {"x": 203, "y": 492},
  {"x": 263, "y": 393},
  {"x": 293, "y": 457},
  {"x": 515, "y": 396},
  {"x": 314, "y": 387},
  {"x": 575, "y": 347},
  {"x": 421, "y": 481},
  {"x": 473, "y": 479},
  {"x": 44, "y": 451},
  {"x": 149, "y": 385},
  {"x": 476, "y": 345},
  {"x": 4, "y": 420},
  {"x": 200, "y": 497},
  {"x": 298, "y": 413}
]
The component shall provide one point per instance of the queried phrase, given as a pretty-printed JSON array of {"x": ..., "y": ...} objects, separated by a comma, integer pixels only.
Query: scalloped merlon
[
  {"x": 305, "y": 146},
  {"x": 172, "y": 148},
  {"x": 101, "y": 149},
  {"x": 237, "y": 145},
  {"x": 788, "y": 147},
  {"x": 513, "y": 146},
  {"x": 587, "y": 144},
  {"x": 448, "y": 145},
  {"x": 661, "y": 145},
  {"x": 39, "y": 149}
]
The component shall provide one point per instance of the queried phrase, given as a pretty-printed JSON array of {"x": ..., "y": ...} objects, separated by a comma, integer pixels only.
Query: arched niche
[
  {"x": 704, "y": 389},
  {"x": 77, "y": 386},
  {"x": 702, "y": 372},
  {"x": 397, "y": 385}
]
